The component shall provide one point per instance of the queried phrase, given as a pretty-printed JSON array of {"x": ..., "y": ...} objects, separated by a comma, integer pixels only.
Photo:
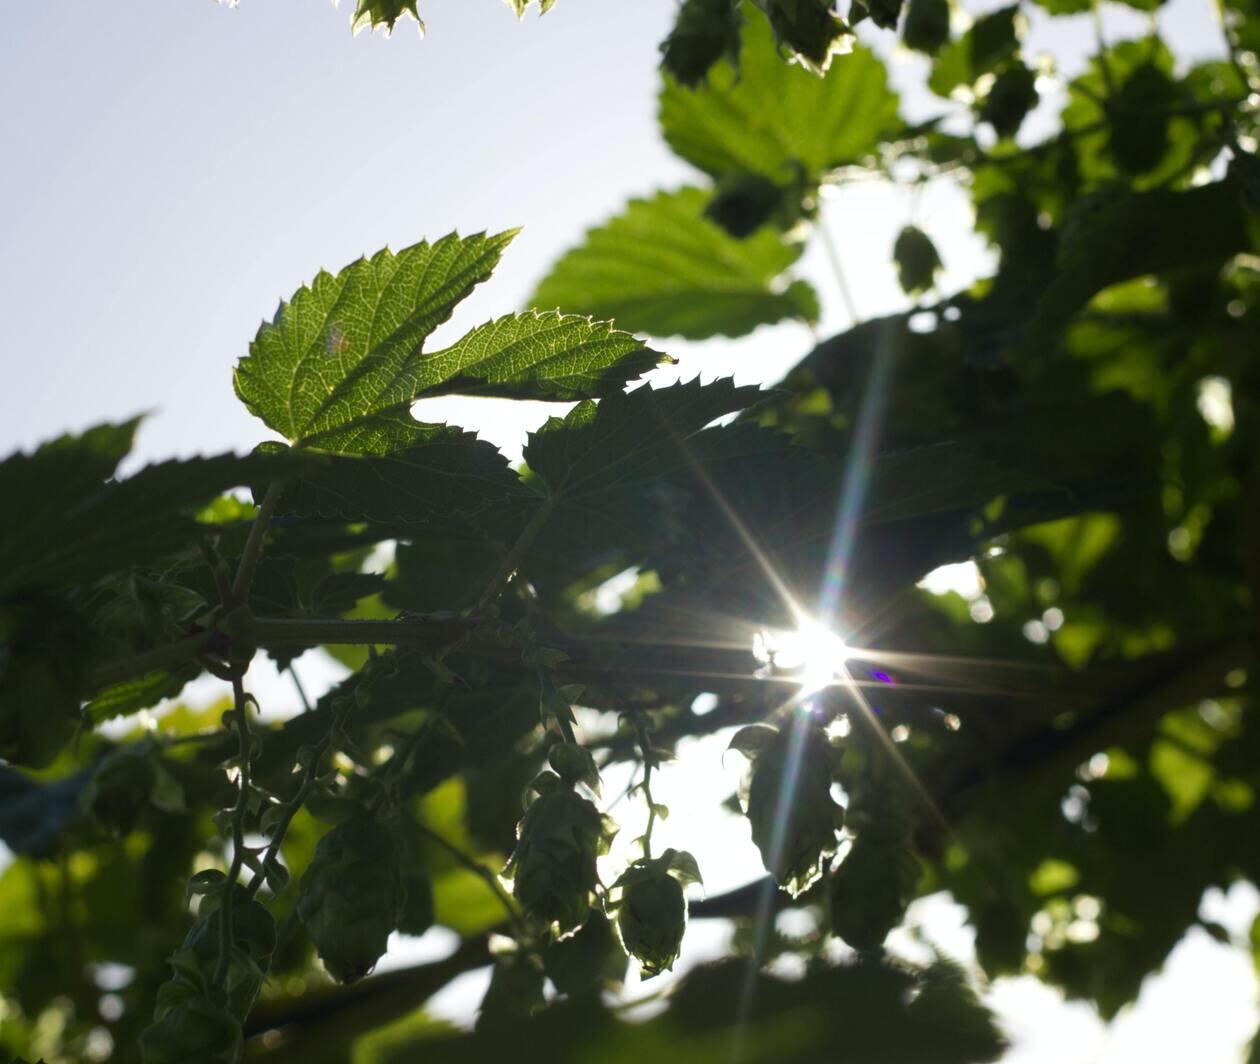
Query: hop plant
[
  {"x": 553, "y": 865},
  {"x": 788, "y": 800},
  {"x": 351, "y": 897},
  {"x": 651, "y": 910}
]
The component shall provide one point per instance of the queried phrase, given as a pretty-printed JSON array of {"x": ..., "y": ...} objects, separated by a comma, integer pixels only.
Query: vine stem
[
  {"x": 294, "y": 804},
  {"x": 645, "y": 746},
  {"x": 240, "y": 596},
  {"x": 842, "y": 283},
  {"x": 254, "y": 544},
  {"x": 1095, "y": 10},
  {"x": 241, "y": 703},
  {"x": 297, "y": 683}
]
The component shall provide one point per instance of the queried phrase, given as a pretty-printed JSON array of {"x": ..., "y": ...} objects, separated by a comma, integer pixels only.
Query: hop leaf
[
  {"x": 789, "y": 803},
  {"x": 43, "y": 672},
  {"x": 351, "y": 897},
  {"x": 553, "y": 865},
  {"x": 370, "y": 14}
]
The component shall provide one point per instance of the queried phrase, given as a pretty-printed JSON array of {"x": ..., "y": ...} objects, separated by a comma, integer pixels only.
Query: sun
[{"x": 812, "y": 650}]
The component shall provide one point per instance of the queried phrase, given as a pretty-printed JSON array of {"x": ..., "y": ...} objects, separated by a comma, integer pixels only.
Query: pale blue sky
[{"x": 173, "y": 168}]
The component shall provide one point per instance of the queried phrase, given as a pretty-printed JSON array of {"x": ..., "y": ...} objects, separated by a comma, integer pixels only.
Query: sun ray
[{"x": 856, "y": 477}]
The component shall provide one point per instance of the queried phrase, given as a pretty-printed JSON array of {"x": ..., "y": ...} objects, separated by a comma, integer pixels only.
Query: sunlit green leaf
[{"x": 662, "y": 267}]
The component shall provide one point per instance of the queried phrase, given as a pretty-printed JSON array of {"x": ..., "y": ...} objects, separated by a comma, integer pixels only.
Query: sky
[{"x": 174, "y": 168}]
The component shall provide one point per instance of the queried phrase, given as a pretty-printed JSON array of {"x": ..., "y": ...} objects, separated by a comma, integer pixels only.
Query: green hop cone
[
  {"x": 884, "y": 13},
  {"x": 191, "y": 1030},
  {"x": 514, "y": 994},
  {"x": 809, "y": 28},
  {"x": 788, "y": 803},
  {"x": 116, "y": 793},
  {"x": 745, "y": 203},
  {"x": 704, "y": 32},
  {"x": 651, "y": 910},
  {"x": 126, "y": 782},
  {"x": 587, "y": 962},
  {"x": 927, "y": 25},
  {"x": 881, "y": 806},
  {"x": 1013, "y": 95},
  {"x": 351, "y": 897},
  {"x": 870, "y": 891},
  {"x": 553, "y": 865},
  {"x": 574, "y": 764},
  {"x": 917, "y": 260}
]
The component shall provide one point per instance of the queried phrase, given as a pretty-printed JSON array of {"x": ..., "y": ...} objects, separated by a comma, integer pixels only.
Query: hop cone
[
  {"x": 553, "y": 865},
  {"x": 351, "y": 894}
]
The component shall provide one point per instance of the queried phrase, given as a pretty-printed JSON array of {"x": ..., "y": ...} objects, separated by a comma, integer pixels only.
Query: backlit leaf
[{"x": 662, "y": 267}]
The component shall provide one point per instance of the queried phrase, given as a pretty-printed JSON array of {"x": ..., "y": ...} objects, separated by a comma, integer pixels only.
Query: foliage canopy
[{"x": 1071, "y": 752}]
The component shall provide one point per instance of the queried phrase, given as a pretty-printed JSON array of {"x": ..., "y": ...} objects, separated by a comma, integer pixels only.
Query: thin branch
[
  {"x": 513, "y": 558},
  {"x": 254, "y": 544},
  {"x": 482, "y": 872},
  {"x": 241, "y": 720},
  {"x": 407, "y": 630},
  {"x": 294, "y": 804},
  {"x": 645, "y": 745},
  {"x": 297, "y": 683},
  {"x": 833, "y": 256}
]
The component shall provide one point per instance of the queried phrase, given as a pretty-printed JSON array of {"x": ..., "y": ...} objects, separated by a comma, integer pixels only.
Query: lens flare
[{"x": 815, "y": 653}]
